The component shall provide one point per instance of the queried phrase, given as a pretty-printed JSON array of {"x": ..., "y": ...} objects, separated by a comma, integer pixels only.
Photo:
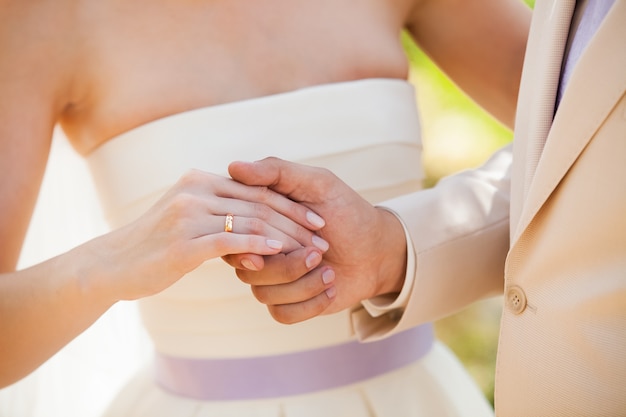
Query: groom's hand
[{"x": 367, "y": 254}]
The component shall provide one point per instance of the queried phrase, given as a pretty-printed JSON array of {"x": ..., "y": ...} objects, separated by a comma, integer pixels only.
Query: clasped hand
[
  {"x": 187, "y": 226},
  {"x": 297, "y": 263},
  {"x": 366, "y": 257}
]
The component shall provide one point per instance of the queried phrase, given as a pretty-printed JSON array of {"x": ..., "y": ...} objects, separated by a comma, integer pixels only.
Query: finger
[
  {"x": 259, "y": 218},
  {"x": 299, "y": 182},
  {"x": 207, "y": 225},
  {"x": 207, "y": 185},
  {"x": 282, "y": 268},
  {"x": 195, "y": 216},
  {"x": 302, "y": 289},
  {"x": 254, "y": 226},
  {"x": 277, "y": 202},
  {"x": 294, "y": 313},
  {"x": 221, "y": 244},
  {"x": 245, "y": 261}
]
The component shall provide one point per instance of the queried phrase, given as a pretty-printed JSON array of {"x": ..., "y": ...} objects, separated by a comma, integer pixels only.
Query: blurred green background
[{"x": 458, "y": 135}]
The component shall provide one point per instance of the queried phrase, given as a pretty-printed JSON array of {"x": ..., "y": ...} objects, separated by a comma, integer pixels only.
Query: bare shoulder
[{"x": 36, "y": 47}]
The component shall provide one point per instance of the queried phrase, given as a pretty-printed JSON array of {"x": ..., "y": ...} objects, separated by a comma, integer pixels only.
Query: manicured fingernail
[
  {"x": 320, "y": 243},
  {"x": 328, "y": 276},
  {"x": 312, "y": 260},
  {"x": 274, "y": 244},
  {"x": 247, "y": 263},
  {"x": 314, "y": 219},
  {"x": 331, "y": 292}
]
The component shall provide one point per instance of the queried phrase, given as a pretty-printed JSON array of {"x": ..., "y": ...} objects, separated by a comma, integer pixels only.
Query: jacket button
[{"x": 516, "y": 299}]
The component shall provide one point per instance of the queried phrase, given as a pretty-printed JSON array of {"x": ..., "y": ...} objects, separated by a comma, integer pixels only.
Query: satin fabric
[{"x": 368, "y": 133}]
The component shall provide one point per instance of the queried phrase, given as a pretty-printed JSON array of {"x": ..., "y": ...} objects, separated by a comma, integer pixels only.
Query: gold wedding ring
[{"x": 228, "y": 223}]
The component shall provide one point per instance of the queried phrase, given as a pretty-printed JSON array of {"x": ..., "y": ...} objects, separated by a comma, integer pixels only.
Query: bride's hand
[{"x": 187, "y": 226}]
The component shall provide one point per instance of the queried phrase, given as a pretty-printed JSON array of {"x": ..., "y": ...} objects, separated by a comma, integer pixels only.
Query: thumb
[{"x": 296, "y": 181}]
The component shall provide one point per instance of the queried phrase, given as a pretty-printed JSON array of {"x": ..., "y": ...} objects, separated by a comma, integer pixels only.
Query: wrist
[
  {"x": 89, "y": 270},
  {"x": 393, "y": 264}
]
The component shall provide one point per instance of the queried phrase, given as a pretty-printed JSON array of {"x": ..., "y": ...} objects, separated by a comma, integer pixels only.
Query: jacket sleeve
[{"x": 458, "y": 234}]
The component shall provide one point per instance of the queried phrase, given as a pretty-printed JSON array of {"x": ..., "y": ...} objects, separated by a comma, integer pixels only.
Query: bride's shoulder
[{"x": 37, "y": 40}]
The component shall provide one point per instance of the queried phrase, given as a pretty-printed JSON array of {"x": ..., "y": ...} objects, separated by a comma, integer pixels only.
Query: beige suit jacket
[{"x": 548, "y": 228}]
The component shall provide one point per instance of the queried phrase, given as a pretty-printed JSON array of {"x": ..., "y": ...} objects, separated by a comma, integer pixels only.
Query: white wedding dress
[{"x": 217, "y": 352}]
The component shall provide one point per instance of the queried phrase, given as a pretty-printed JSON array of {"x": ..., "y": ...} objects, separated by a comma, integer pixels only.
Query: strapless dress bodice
[{"x": 367, "y": 132}]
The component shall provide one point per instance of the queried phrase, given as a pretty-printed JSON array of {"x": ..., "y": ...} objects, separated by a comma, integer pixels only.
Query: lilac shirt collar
[{"x": 592, "y": 15}]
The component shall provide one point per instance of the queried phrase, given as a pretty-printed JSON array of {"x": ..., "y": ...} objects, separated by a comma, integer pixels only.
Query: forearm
[
  {"x": 43, "y": 308},
  {"x": 459, "y": 235},
  {"x": 480, "y": 45}
]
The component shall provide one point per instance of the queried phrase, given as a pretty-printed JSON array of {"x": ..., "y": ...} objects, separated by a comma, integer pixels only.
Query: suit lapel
[
  {"x": 592, "y": 92},
  {"x": 542, "y": 68}
]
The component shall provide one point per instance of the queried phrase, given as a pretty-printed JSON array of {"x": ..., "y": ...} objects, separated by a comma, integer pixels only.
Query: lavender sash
[{"x": 292, "y": 373}]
